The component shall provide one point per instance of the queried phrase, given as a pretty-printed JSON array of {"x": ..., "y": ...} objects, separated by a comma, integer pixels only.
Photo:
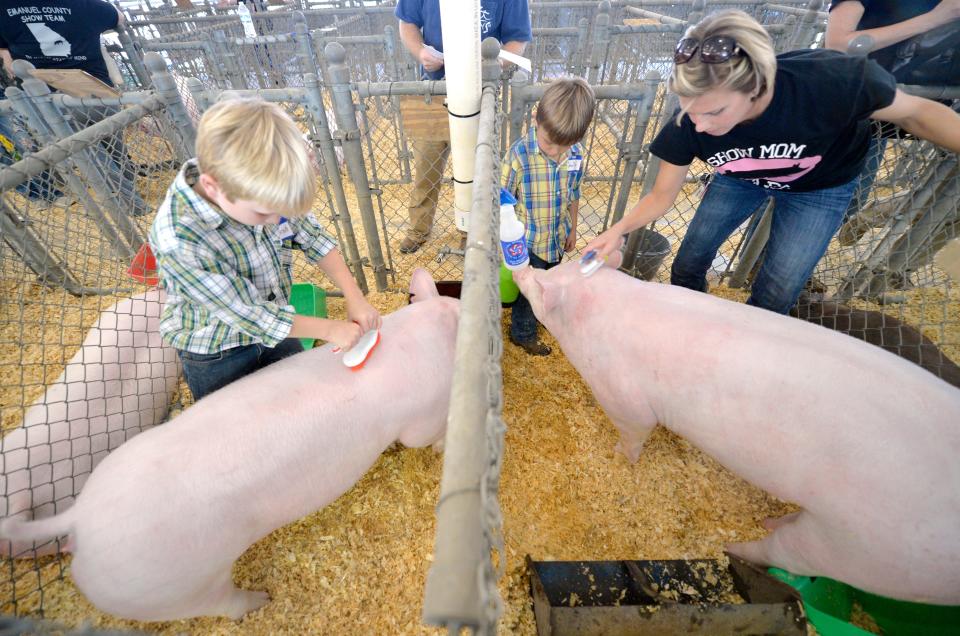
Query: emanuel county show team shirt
[
  {"x": 227, "y": 283},
  {"x": 813, "y": 135},
  {"x": 55, "y": 34}
]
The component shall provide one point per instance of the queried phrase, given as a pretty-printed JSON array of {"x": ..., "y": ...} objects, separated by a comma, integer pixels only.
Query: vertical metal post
[
  {"x": 578, "y": 64},
  {"x": 342, "y": 212},
  {"x": 195, "y": 87},
  {"x": 696, "y": 11},
  {"x": 236, "y": 77},
  {"x": 806, "y": 31},
  {"x": 132, "y": 52},
  {"x": 349, "y": 134},
  {"x": 601, "y": 43},
  {"x": 754, "y": 247},
  {"x": 166, "y": 88},
  {"x": 634, "y": 147},
  {"x": 518, "y": 103},
  {"x": 390, "y": 47}
]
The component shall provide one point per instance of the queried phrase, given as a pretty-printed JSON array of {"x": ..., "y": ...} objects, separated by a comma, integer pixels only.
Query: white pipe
[{"x": 460, "y": 24}]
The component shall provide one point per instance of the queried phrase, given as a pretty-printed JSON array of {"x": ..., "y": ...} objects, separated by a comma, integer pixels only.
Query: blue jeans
[
  {"x": 523, "y": 324},
  {"x": 803, "y": 224},
  {"x": 207, "y": 372}
]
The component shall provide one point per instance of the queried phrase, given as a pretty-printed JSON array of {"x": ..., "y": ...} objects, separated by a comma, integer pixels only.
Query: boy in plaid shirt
[
  {"x": 543, "y": 170},
  {"x": 224, "y": 252}
]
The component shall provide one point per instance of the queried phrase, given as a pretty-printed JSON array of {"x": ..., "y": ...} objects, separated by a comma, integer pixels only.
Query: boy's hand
[
  {"x": 363, "y": 313},
  {"x": 571, "y": 243},
  {"x": 344, "y": 334}
]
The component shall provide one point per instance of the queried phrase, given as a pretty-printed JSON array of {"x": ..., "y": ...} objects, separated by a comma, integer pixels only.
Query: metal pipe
[
  {"x": 120, "y": 229},
  {"x": 797, "y": 11},
  {"x": 634, "y": 147},
  {"x": 390, "y": 89},
  {"x": 643, "y": 13},
  {"x": 349, "y": 135},
  {"x": 351, "y": 11},
  {"x": 166, "y": 89},
  {"x": 324, "y": 140},
  {"x": 753, "y": 248},
  {"x": 453, "y": 594},
  {"x": 133, "y": 55}
]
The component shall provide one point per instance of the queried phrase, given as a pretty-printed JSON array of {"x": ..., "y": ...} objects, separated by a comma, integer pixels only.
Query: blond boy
[
  {"x": 543, "y": 170},
  {"x": 224, "y": 248}
]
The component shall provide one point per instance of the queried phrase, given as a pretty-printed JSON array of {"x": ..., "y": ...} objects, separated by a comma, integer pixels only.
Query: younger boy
[
  {"x": 543, "y": 170},
  {"x": 224, "y": 252}
]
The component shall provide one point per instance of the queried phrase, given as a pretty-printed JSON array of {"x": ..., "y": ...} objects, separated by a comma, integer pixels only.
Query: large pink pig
[
  {"x": 119, "y": 383},
  {"x": 162, "y": 519},
  {"x": 866, "y": 442}
]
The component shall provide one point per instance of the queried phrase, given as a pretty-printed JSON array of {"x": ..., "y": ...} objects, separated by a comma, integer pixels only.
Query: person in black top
[
  {"x": 889, "y": 23},
  {"x": 65, "y": 34},
  {"x": 794, "y": 127},
  {"x": 895, "y": 26}
]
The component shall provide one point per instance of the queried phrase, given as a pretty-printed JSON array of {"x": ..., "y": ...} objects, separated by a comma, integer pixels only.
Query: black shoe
[
  {"x": 410, "y": 245},
  {"x": 534, "y": 347}
]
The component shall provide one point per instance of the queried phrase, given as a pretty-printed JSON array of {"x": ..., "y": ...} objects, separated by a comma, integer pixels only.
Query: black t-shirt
[
  {"x": 813, "y": 134},
  {"x": 58, "y": 33},
  {"x": 881, "y": 13}
]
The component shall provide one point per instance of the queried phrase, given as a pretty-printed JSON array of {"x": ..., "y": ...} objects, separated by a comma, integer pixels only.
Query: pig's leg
[
  {"x": 226, "y": 599},
  {"x": 632, "y": 438},
  {"x": 772, "y": 523},
  {"x": 790, "y": 546}
]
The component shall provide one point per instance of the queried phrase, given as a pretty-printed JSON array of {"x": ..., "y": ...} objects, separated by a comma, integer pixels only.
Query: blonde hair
[
  {"x": 256, "y": 153},
  {"x": 751, "y": 72},
  {"x": 566, "y": 110}
]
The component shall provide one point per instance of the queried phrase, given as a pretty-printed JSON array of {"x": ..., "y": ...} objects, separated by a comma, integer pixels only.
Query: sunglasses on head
[{"x": 715, "y": 49}]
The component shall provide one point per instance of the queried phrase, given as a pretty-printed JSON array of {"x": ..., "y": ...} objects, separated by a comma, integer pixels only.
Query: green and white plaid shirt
[{"x": 227, "y": 283}]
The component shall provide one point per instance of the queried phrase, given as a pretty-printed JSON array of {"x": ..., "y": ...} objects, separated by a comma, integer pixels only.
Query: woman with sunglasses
[{"x": 794, "y": 127}]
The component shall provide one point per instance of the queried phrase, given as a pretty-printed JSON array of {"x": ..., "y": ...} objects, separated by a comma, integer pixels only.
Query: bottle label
[{"x": 515, "y": 252}]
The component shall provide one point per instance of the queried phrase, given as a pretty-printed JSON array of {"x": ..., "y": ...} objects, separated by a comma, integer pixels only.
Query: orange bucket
[{"x": 143, "y": 268}]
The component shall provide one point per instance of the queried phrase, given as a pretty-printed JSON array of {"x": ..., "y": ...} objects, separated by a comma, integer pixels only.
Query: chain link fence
[{"x": 83, "y": 364}]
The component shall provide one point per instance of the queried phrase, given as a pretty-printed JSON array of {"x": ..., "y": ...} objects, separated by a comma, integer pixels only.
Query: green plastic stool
[
  {"x": 508, "y": 289},
  {"x": 828, "y": 604},
  {"x": 308, "y": 300}
]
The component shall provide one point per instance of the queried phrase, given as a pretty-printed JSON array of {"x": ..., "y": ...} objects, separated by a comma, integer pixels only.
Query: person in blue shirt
[{"x": 506, "y": 20}]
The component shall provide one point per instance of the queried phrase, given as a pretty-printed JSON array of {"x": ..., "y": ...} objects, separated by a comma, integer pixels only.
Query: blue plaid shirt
[{"x": 544, "y": 190}]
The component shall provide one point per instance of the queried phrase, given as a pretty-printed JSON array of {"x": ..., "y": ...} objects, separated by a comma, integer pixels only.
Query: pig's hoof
[{"x": 242, "y": 602}]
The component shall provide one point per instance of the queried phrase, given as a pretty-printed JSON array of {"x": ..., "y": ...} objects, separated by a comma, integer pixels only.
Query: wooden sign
[
  {"x": 423, "y": 121},
  {"x": 74, "y": 82}
]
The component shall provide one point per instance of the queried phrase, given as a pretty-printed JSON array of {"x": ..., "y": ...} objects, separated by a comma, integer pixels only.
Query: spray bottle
[
  {"x": 246, "y": 20},
  {"x": 513, "y": 238}
]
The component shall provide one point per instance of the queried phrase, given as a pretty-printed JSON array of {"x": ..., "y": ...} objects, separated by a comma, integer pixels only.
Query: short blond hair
[
  {"x": 255, "y": 152},
  {"x": 566, "y": 110},
  {"x": 753, "y": 72}
]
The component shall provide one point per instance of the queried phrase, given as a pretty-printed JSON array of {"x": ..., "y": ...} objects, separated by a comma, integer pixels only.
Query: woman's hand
[{"x": 607, "y": 243}]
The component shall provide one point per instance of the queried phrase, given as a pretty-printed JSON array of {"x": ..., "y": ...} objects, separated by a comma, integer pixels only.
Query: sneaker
[
  {"x": 534, "y": 347},
  {"x": 410, "y": 245}
]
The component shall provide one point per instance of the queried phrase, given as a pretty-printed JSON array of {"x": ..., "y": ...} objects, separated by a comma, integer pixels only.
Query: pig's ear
[
  {"x": 422, "y": 286},
  {"x": 614, "y": 260},
  {"x": 551, "y": 293}
]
